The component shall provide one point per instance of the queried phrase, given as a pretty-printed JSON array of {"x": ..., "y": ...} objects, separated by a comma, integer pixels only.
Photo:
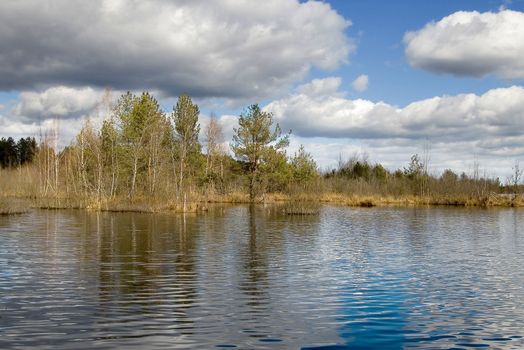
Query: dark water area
[{"x": 250, "y": 278}]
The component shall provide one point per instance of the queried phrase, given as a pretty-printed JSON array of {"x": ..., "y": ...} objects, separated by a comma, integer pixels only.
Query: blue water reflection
[
  {"x": 251, "y": 278},
  {"x": 433, "y": 280}
]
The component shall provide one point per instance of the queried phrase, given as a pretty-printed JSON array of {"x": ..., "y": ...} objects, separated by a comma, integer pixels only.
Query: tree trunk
[{"x": 133, "y": 179}]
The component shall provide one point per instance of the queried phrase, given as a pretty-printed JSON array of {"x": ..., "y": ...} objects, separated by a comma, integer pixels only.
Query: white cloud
[
  {"x": 66, "y": 129},
  {"x": 62, "y": 108},
  {"x": 233, "y": 49},
  {"x": 60, "y": 102},
  {"x": 361, "y": 83},
  {"x": 498, "y": 112},
  {"x": 395, "y": 154},
  {"x": 488, "y": 126},
  {"x": 321, "y": 87},
  {"x": 505, "y": 4},
  {"x": 470, "y": 44},
  {"x": 327, "y": 113},
  {"x": 226, "y": 122},
  {"x": 459, "y": 128}
]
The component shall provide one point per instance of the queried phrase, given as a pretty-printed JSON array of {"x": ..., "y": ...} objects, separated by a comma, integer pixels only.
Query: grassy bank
[
  {"x": 25, "y": 187},
  {"x": 493, "y": 200},
  {"x": 10, "y": 206},
  {"x": 301, "y": 204},
  {"x": 142, "y": 205},
  {"x": 143, "y": 159}
]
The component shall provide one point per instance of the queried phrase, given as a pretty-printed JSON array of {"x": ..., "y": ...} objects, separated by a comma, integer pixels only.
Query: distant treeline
[
  {"x": 140, "y": 152},
  {"x": 17, "y": 153}
]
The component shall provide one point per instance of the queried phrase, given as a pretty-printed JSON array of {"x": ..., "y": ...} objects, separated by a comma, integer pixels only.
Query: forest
[
  {"x": 14, "y": 154},
  {"x": 142, "y": 158}
]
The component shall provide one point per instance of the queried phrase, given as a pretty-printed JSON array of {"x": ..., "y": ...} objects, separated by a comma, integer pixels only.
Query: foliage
[
  {"x": 415, "y": 168},
  {"x": 185, "y": 117},
  {"x": 187, "y": 149},
  {"x": 17, "y": 153},
  {"x": 303, "y": 166},
  {"x": 141, "y": 129},
  {"x": 258, "y": 144},
  {"x": 140, "y": 152}
]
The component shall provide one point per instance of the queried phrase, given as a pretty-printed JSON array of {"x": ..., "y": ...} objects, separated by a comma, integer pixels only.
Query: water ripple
[{"x": 245, "y": 278}]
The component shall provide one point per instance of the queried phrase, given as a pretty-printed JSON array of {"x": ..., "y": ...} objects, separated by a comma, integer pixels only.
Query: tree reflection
[
  {"x": 254, "y": 265},
  {"x": 147, "y": 269}
]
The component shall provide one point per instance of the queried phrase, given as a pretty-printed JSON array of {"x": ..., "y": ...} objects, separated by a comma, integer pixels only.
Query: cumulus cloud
[
  {"x": 470, "y": 44},
  {"x": 59, "y": 108},
  {"x": 490, "y": 123},
  {"x": 319, "y": 109},
  {"x": 226, "y": 122},
  {"x": 233, "y": 49},
  {"x": 67, "y": 108},
  {"x": 361, "y": 83},
  {"x": 57, "y": 102},
  {"x": 459, "y": 128},
  {"x": 66, "y": 129},
  {"x": 395, "y": 154},
  {"x": 321, "y": 87}
]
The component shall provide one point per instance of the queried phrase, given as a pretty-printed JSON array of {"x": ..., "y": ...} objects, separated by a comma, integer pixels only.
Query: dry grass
[
  {"x": 11, "y": 206},
  {"x": 493, "y": 200},
  {"x": 121, "y": 204},
  {"x": 301, "y": 208},
  {"x": 233, "y": 197},
  {"x": 23, "y": 183},
  {"x": 296, "y": 203},
  {"x": 20, "y": 182}
]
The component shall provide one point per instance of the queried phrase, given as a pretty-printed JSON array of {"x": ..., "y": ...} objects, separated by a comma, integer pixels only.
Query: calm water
[{"x": 251, "y": 279}]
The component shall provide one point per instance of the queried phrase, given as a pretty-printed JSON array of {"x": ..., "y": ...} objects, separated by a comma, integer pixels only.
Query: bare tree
[
  {"x": 515, "y": 179},
  {"x": 109, "y": 140},
  {"x": 213, "y": 141}
]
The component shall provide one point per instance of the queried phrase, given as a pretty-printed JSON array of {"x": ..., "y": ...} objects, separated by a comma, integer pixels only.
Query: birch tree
[
  {"x": 213, "y": 139},
  {"x": 137, "y": 116}
]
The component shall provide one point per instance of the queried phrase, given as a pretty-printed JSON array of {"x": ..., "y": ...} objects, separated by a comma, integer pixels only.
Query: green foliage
[
  {"x": 415, "y": 168},
  {"x": 361, "y": 170},
  {"x": 379, "y": 172},
  {"x": 185, "y": 117},
  {"x": 276, "y": 171},
  {"x": 448, "y": 176},
  {"x": 141, "y": 152},
  {"x": 139, "y": 118},
  {"x": 187, "y": 149},
  {"x": 258, "y": 144},
  {"x": 303, "y": 166},
  {"x": 108, "y": 133},
  {"x": 358, "y": 167},
  {"x": 17, "y": 153}
]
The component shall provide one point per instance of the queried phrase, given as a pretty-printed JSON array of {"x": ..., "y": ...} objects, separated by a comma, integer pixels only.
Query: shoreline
[{"x": 10, "y": 205}]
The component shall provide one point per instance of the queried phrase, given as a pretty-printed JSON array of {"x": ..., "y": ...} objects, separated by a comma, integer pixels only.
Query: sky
[{"x": 379, "y": 79}]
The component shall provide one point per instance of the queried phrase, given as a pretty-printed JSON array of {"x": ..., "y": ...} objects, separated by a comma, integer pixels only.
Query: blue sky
[
  {"x": 379, "y": 28},
  {"x": 454, "y": 85}
]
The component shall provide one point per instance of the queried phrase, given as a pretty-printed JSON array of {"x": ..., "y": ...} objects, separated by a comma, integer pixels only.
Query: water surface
[{"x": 244, "y": 278}]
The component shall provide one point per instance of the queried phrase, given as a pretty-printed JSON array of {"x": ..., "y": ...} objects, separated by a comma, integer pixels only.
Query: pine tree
[
  {"x": 187, "y": 148},
  {"x": 255, "y": 141}
]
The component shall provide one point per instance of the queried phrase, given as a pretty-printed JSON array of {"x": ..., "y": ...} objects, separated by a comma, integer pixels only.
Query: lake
[{"x": 250, "y": 278}]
